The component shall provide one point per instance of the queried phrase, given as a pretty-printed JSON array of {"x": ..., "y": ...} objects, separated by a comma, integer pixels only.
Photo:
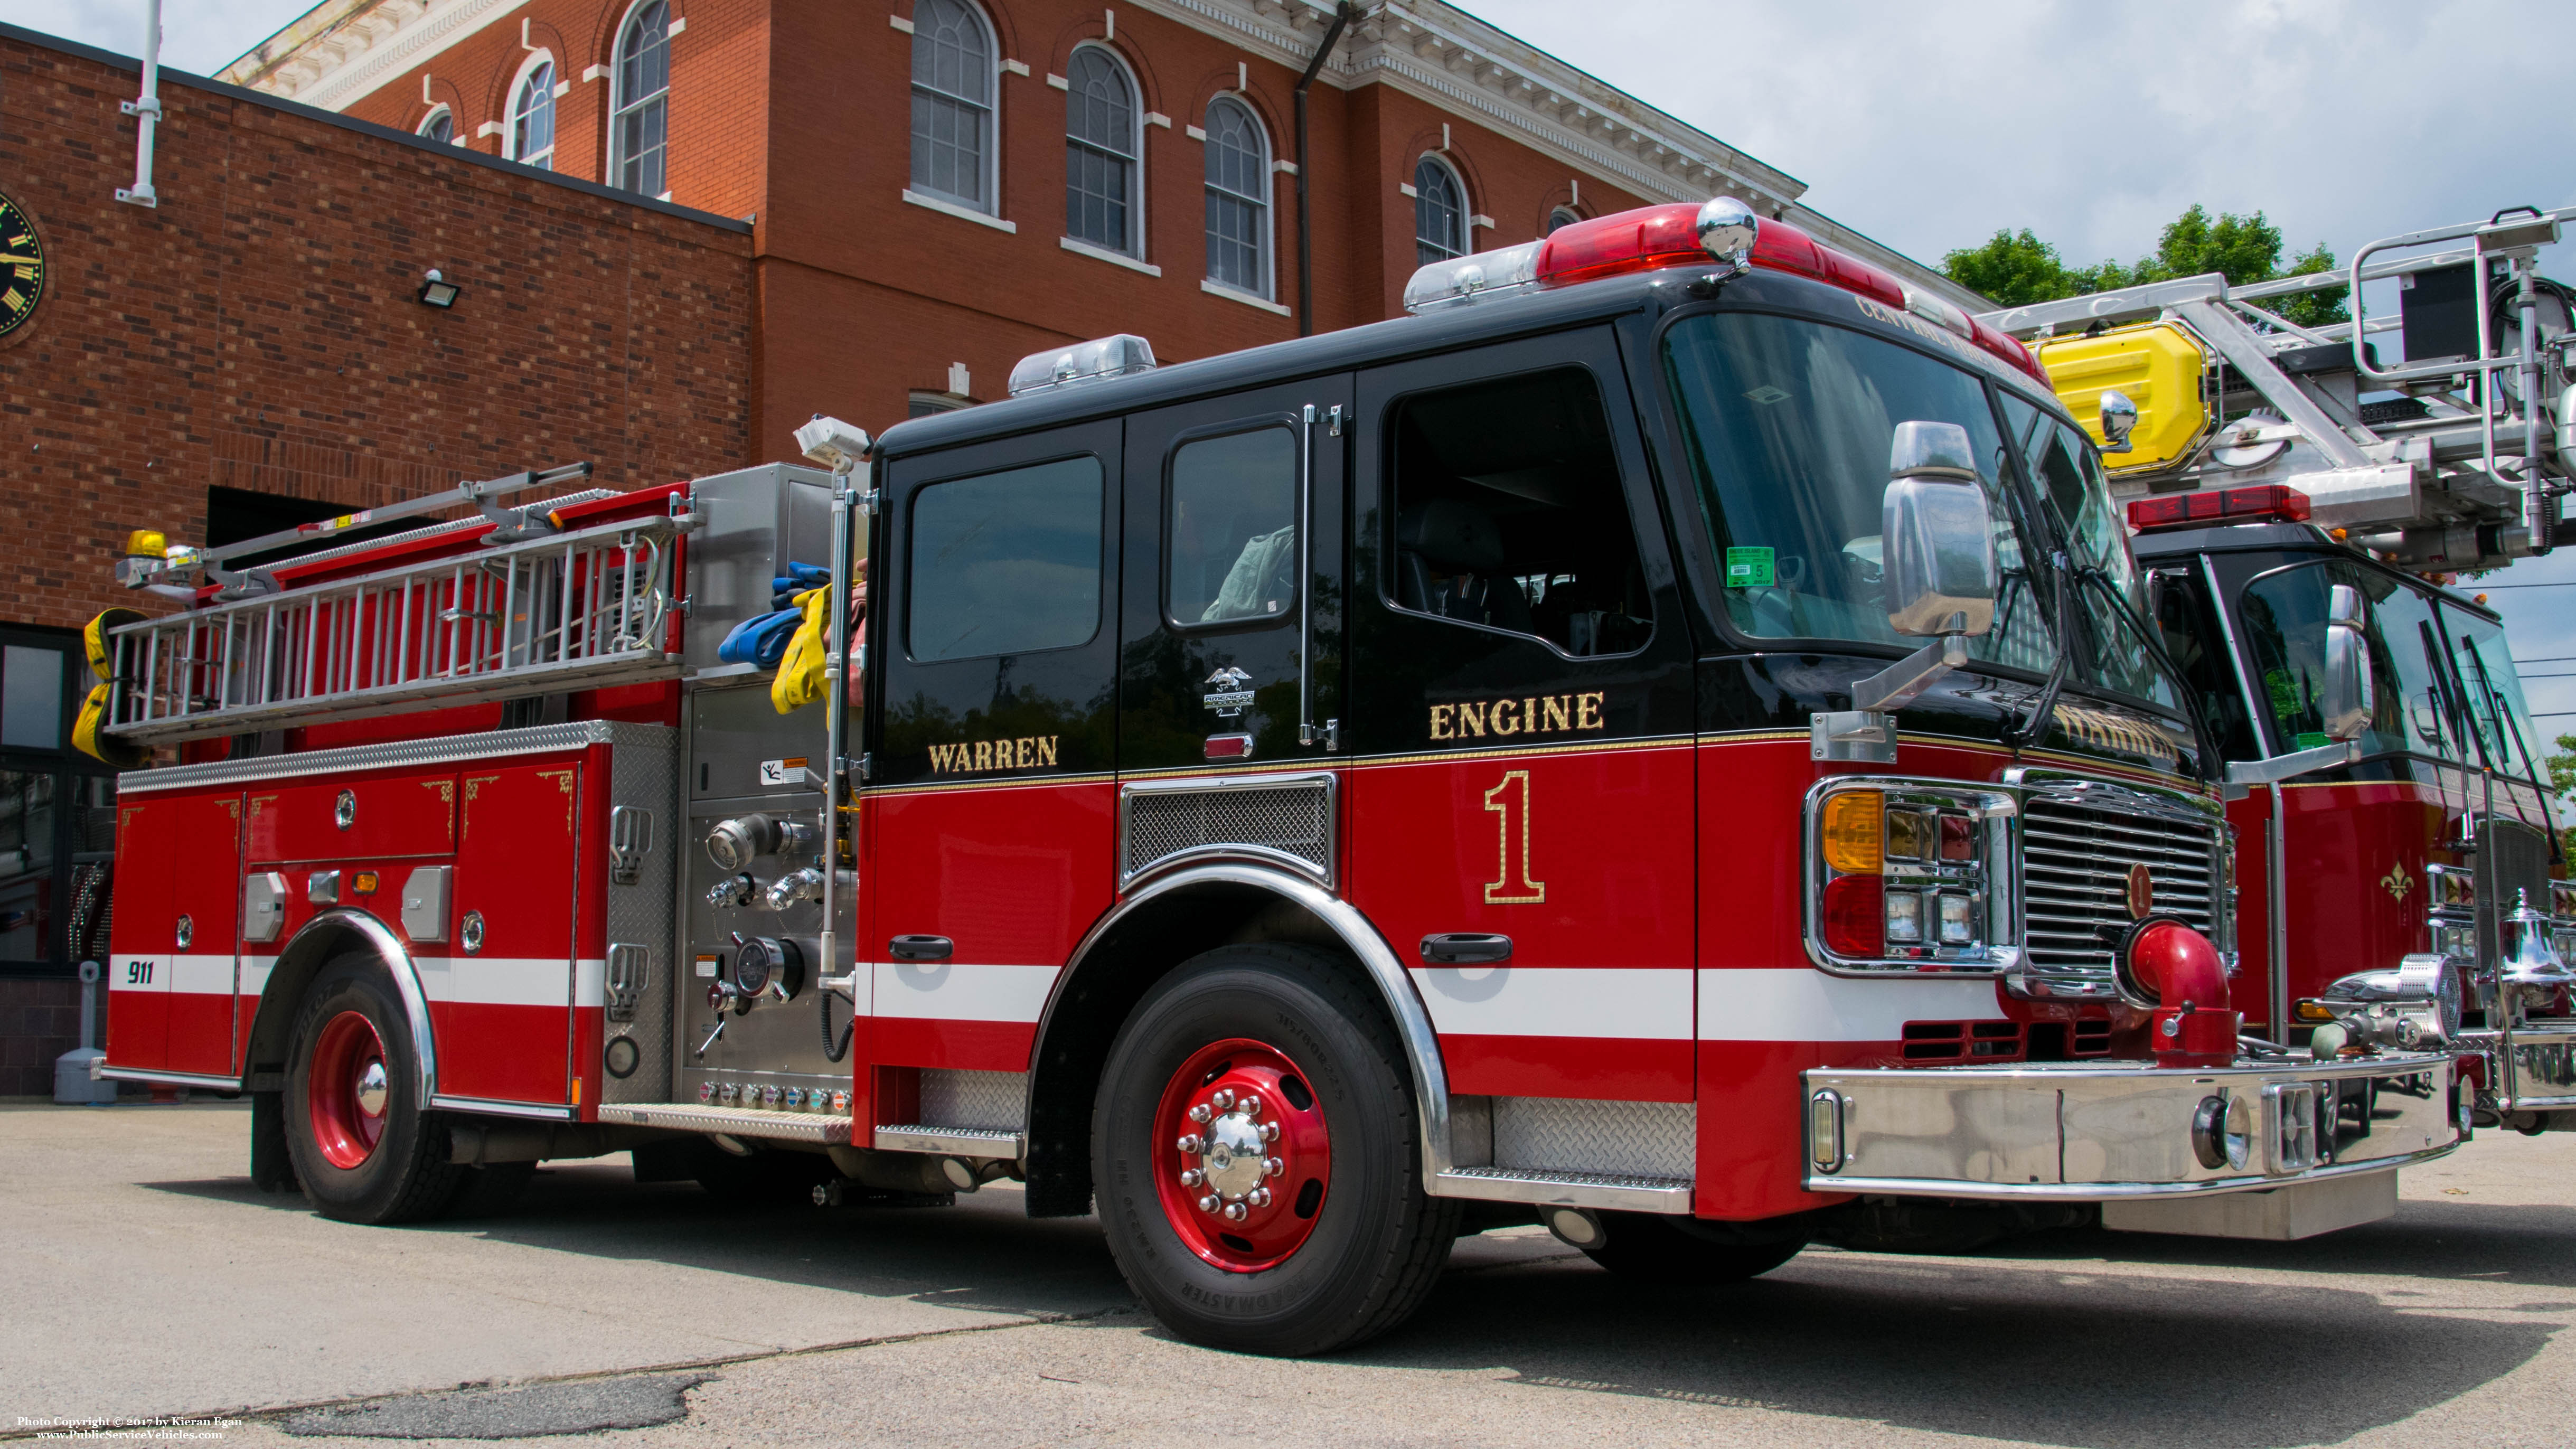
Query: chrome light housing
[{"x": 1910, "y": 876}]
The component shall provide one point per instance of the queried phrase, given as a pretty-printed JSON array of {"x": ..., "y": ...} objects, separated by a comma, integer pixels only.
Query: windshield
[
  {"x": 2498, "y": 719},
  {"x": 2417, "y": 705},
  {"x": 1789, "y": 424}
]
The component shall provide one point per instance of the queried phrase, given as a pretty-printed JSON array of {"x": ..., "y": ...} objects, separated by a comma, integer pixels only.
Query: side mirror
[
  {"x": 1937, "y": 544},
  {"x": 2119, "y": 419},
  {"x": 2349, "y": 702}
]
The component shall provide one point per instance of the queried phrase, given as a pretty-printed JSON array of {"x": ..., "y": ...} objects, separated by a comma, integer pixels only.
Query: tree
[
  {"x": 2017, "y": 268},
  {"x": 2562, "y": 785}
]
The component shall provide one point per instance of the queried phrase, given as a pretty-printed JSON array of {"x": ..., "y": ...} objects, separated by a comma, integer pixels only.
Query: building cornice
[{"x": 339, "y": 51}]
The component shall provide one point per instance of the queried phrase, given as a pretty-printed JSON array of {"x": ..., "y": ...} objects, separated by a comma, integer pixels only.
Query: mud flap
[{"x": 270, "y": 1169}]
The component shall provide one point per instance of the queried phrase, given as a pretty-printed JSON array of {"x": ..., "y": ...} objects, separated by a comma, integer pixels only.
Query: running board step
[
  {"x": 1540, "y": 1187},
  {"x": 828, "y": 1131},
  {"x": 952, "y": 1141}
]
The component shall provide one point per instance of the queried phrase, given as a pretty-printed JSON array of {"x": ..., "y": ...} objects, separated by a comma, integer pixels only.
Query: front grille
[
  {"x": 2077, "y": 847},
  {"x": 1951, "y": 1041}
]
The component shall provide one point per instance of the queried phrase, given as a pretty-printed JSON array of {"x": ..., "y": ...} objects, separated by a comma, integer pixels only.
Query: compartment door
[
  {"x": 205, "y": 884},
  {"x": 500, "y": 1000},
  {"x": 142, "y": 941}
]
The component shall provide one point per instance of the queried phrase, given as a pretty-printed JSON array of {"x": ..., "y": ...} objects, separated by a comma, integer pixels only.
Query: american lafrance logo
[{"x": 1230, "y": 696}]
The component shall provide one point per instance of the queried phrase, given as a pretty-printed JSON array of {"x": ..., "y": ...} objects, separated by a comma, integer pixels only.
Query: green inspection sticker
[
  {"x": 1748, "y": 568},
  {"x": 2312, "y": 740}
]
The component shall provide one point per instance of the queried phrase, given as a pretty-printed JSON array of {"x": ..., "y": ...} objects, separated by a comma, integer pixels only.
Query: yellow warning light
[{"x": 146, "y": 543}]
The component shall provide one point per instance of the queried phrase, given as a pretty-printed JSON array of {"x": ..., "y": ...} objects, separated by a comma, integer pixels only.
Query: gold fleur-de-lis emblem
[{"x": 2397, "y": 882}]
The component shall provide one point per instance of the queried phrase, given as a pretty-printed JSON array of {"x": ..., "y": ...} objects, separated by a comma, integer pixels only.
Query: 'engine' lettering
[
  {"x": 1531, "y": 715},
  {"x": 968, "y": 757}
]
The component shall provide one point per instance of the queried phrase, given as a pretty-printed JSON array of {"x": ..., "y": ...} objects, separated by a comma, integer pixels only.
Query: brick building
[
  {"x": 940, "y": 187},
  {"x": 252, "y": 352},
  {"x": 682, "y": 227}
]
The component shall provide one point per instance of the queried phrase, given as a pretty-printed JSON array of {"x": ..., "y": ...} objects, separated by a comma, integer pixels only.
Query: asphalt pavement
[{"x": 147, "y": 1278}]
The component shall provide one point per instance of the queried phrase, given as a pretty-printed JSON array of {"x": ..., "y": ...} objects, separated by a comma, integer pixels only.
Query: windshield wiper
[{"x": 2015, "y": 733}]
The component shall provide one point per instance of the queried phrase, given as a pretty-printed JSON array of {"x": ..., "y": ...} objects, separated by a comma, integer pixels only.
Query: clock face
[{"x": 22, "y": 268}]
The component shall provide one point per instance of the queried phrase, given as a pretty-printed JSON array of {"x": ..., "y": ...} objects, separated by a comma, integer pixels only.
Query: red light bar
[
  {"x": 2277, "y": 502},
  {"x": 1652, "y": 237}
]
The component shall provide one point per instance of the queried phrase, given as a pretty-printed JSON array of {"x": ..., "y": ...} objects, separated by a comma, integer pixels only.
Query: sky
[{"x": 1929, "y": 124}]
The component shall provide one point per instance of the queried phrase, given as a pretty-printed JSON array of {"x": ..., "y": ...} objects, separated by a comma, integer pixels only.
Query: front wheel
[
  {"x": 1256, "y": 1153},
  {"x": 364, "y": 1145}
]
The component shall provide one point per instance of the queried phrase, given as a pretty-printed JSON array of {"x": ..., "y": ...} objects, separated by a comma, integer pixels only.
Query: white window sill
[
  {"x": 953, "y": 209},
  {"x": 1215, "y": 289},
  {"x": 1084, "y": 248}
]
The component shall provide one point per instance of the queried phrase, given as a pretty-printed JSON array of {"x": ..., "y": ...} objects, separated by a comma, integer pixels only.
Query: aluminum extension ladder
[{"x": 579, "y": 609}]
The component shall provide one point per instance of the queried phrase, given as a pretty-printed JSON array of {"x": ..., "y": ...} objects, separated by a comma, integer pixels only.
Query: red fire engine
[{"x": 1302, "y": 805}]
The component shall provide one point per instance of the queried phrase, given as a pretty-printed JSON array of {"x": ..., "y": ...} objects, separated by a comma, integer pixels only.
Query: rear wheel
[
  {"x": 1653, "y": 1247},
  {"x": 1256, "y": 1153},
  {"x": 364, "y": 1145}
]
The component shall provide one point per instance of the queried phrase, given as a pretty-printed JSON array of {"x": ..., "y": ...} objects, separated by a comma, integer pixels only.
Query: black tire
[
  {"x": 1653, "y": 1248},
  {"x": 407, "y": 1176},
  {"x": 1378, "y": 1240}
]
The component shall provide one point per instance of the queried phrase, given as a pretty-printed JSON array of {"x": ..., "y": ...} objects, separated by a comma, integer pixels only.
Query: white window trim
[
  {"x": 436, "y": 111},
  {"x": 992, "y": 138},
  {"x": 1269, "y": 205},
  {"x": 510, "y": 105},
  {"x": 1136, "y": 232},
  {"x": 618, "y": 104},
  {"x": 1120, "y": 259},
  {"x": 1219, "y": 289},
  {"x": 980, "y": 218},
  {"x": 1467, "y": 217}
]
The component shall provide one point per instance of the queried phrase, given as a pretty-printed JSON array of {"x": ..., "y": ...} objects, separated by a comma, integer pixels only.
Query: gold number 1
[{"x": 1511, "y": 885}]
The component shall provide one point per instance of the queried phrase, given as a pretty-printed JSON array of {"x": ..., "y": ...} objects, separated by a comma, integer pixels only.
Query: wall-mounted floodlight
[{"x": 437, "y": 291}]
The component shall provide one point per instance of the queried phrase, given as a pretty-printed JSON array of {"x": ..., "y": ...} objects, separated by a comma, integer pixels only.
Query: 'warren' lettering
[{"x": 967, "y": 757}]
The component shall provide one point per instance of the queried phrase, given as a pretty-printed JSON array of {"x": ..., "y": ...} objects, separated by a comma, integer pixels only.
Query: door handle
[
  {"x": 921, "y": 948},
  {"x": 1466, "y": 948}
]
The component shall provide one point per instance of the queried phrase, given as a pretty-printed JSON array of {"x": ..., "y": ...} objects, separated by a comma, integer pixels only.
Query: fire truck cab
[{"x": 1664, "y": 740}]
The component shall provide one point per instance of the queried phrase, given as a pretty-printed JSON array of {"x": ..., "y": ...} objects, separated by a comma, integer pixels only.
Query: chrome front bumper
[
  {"x": 2530, "y": 1067},
  {"x": 2100, "y": 1131}
]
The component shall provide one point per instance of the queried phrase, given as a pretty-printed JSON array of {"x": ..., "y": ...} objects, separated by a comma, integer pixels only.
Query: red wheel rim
[
  {"x": 1241, "y": 1187},
  {"x": 348, "y": 1090}
]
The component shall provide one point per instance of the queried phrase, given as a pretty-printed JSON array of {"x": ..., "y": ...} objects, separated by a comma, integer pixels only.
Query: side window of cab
[{"x": 1507, "y": 514}]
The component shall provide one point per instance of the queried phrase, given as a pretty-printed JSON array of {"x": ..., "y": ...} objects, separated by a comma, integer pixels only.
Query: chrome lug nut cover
[
  {"x": 1223, "y": 1099},
  {"x": 1208, "y": 1204},
  {"x": 1250, "y": 1105},
  {"x": 1269, "y": 1131},
  {"x": 1190, "y": 1143},
  {"x": 1258, "y": 1197},
  {"x": 1235, "y": 1212},
  {"x": 1192, "y": 1177},
  {"x": 1201, "y": 1112},
  {"x": 1272, "y": 1167}
]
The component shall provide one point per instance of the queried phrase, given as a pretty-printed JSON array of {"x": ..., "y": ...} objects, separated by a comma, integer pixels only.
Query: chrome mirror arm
[{"x": 2284, "y": 767}]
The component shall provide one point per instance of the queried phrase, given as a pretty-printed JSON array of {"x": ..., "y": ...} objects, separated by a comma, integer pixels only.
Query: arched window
[
  {"x": 1238, "y": 198},
  {"x": 639, "y": 129},
  {"x": 1101, "y": 151},
  {"x": 952, "y": 103},
  {"x": 1562, "y": 216},
  {"x": 1439, "y": 212},
  {"x": 532, "y": 114},
  {"x": 440, "y": 126}
]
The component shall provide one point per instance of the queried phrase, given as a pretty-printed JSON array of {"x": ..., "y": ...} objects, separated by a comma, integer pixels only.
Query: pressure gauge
[{"x": 765, "y": 965}]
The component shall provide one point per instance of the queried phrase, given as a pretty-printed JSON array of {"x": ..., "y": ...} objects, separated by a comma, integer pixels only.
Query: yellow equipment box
[{"x": 2159, "y": 365}]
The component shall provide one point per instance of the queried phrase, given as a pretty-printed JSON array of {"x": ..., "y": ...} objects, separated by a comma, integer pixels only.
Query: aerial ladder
[{"x": 2452, "y": 461}]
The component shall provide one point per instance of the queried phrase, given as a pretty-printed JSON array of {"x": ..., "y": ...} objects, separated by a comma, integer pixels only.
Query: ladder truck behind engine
[
  {"x": 2296, "y": 498},
  {"x": 1663, "y": 740}
]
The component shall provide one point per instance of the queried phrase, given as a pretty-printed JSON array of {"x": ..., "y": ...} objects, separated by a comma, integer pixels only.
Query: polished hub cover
[{"x": 1252, "y": 1157}]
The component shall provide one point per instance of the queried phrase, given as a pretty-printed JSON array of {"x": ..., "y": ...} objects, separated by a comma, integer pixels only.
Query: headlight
[{"x": 1902, "y": 874}]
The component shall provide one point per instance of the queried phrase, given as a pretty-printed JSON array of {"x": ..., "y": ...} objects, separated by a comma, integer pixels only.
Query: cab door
[
  {"x": 992, "y": 737},
  {"x": 1521, "y": 804},
  {"x": 1231, "y": 615}
]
